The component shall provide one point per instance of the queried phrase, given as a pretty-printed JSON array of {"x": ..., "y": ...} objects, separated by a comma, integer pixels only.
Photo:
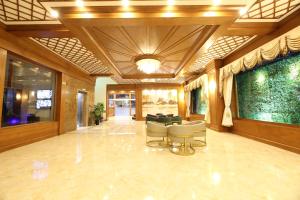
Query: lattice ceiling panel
[
  {"x": 270, "y": 9},
  {"x": 222, "y": 47},
  {"x": 23, "y": 10},
  {"x": 72, "y": 50}
]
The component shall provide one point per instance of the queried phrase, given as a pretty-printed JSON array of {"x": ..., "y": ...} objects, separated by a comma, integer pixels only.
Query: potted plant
[{"x": 97, "y": 112}]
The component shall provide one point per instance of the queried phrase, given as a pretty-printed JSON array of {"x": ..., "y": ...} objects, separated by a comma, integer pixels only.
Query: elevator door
[{"x": 80, "y": 109}]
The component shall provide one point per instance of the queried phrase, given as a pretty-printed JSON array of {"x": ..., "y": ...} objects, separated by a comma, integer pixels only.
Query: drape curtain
[
  {"x": 289, "y": 42},
  {"x": 188, "y": 102},
  {"x": 202, "y": 82},
  {"x": 227, "y": 115}
]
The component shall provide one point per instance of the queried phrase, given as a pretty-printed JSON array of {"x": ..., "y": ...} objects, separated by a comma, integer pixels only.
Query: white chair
[
  {"x": 156, "y": 130},
  {"x": 187, "y": 136}
]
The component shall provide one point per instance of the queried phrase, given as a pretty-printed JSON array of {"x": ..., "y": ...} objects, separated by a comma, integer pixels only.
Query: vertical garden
[{"x": 271, "y": 92}]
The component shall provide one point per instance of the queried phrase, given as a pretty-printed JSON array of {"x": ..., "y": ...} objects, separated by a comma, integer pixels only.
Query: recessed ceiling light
[
  {"x": 125, "y": 3},
  {"x": 171, "y": 2},
  {"x": 216, "y": 2},
  {"x": 79, "y": 3},
  {"x": 168, "y": 14},
  {"x": 210, "y": 14},
  {"x": 54, "y": 13},
  {"x": 128, "y": 15},
  {"x": 243, "y": 11},
  {"x": 87, "y": 15}
]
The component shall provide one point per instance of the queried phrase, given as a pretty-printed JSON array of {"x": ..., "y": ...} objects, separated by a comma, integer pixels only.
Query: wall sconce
[
  {"x": 212, "y": 85},
  {"x": 18, "y": 96}
]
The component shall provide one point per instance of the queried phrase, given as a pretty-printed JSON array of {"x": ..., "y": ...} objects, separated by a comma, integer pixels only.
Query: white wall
[{"x": 100, "y": 89}]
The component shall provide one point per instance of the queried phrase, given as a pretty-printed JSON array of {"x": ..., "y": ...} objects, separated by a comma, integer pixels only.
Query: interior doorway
[
  {"x": 122, "y": 104},
  {"x": 81, "y": 96}
]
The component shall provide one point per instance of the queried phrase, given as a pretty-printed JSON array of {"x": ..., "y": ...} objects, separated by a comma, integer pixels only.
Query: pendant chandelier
[{"x": 148, "y": 63}]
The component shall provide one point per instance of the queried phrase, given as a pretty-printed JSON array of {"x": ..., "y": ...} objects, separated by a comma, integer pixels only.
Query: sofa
[{"x": 164, "y": 119}]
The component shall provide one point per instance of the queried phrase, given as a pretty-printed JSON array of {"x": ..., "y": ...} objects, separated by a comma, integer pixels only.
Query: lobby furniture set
[{"x": 180, "y": 138}]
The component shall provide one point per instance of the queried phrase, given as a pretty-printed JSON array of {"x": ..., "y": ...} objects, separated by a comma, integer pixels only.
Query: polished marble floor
[{"x": 111, "y": 161}]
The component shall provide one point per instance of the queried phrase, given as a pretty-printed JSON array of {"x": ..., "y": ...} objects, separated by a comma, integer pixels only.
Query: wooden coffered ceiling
[{"x": 104, "y": 37}]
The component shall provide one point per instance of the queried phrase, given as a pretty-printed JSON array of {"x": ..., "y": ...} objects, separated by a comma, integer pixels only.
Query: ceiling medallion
[{"x": 148, "y": 63}]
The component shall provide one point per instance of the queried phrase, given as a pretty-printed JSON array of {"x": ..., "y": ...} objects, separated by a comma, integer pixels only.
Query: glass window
[
  {"x": 271, "y": 92},
  {"x": 29, "y": 93},
  {"x": 198, "y": 104}
]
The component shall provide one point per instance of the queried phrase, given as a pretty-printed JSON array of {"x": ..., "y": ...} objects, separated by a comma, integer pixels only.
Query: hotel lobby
[{"x": 150, "y": 99}]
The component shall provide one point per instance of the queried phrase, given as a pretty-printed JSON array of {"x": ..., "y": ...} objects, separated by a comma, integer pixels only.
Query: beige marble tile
[{"x": 111, "y": 161}]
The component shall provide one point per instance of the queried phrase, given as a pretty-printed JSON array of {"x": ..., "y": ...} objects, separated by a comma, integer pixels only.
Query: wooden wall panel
[
  {"x": 71, "y": 87},
  {"x": 15, "y": 136},
  {"x": 3, "y": 54},
  {"x": 280, "y": 135}
]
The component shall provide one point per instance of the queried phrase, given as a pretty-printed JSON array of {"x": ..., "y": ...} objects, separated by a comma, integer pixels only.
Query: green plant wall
[{"x": 271, "y": 92}]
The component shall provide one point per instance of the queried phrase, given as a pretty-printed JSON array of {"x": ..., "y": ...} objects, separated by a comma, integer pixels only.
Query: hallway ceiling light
[
  {"x": 243, "y": 11},
  {"x": 216, "y": 2},
  {"x": 54, "y": 13},
  {"x": 148, "y": 64},
  {"x": 125, "y": 3},
  {"x": 79, "y": 3},
  {"x": 171, "y": 2}
]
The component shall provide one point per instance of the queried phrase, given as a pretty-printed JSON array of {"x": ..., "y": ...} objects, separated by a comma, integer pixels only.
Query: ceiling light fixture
[
  {"x": 54, "y": 13},
  {"x": 168, "y": 14},
  {"x": 127, "y": 15},
  {"x": 216, "y": 2},
  {"x": 210, "y": 14},
  {"x": 243, "y": 11},
  {"x": 87, "y": 15},
  {"x": 79, "y": 3},
  {"x": 171, "y": 2},
  {"x": 148, "y": 63},
  {"x": 125, "y": 3}
]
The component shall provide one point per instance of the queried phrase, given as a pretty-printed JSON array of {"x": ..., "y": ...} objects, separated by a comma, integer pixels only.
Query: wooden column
[
  {"x": 138, "y": 103},
  {"x": 60, "y": 99},
  {"x": 216, "y": 103},
  {"x": 3, "y": 55}
]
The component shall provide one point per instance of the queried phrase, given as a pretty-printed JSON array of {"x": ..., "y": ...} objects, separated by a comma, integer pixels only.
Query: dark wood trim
[
  {"x": 101, "y": 75},
  {"x": 146, "y": 76},
  {"x": 16, "y": 136},
  {"x": 3, "y": 57},
  {"x": 280, "y": 135}
]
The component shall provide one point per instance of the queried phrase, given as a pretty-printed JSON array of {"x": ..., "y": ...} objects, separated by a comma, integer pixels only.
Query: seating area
[
  {"x": 180, "y": 139},
  {"x": 150, "y": 99},
  {"x": 168, "y": 119}
]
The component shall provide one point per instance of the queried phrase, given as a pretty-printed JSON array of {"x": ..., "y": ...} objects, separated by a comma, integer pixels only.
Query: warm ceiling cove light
[
  {"x": 171, "y": 2},
  {"x": 54, "y": 14},
  {"x": 148, "y": 64},
  {"x": 79, "y": 3},
  {"x": 210, "y": 14},
  {"x": 125, "y": 3},
  {"x": 216, "y": 2},
  {"x": 243, "y": 11}
]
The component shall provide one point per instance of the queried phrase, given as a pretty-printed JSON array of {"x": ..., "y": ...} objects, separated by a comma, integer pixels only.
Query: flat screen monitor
[
  {"x": 44, "y": 94},
  {"x": 43, "y": 103}
]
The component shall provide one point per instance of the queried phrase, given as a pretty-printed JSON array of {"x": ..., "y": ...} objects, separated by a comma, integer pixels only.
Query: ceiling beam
[
  {"x": 250, "y": 28},
  {"x": 147, "y": 76},
  {"x": 89, "y": 41},
  {"x": 46, "y": 30},
  {"x": 101, "y": 75},
  {"x": 205, "y": 36}
]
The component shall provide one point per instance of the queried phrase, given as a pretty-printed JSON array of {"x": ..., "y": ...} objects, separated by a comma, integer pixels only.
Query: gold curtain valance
[
  {"x": 199, "y": 82},
  {"x": 268, "y": 52}
]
